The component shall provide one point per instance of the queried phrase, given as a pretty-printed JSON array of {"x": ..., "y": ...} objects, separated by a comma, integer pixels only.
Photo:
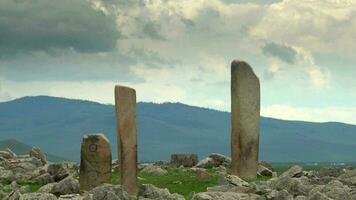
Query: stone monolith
[
  {"x": 125, "y": 101},
  {"x": 95, "y": 161},
  {"x": 245, "y": 119}
]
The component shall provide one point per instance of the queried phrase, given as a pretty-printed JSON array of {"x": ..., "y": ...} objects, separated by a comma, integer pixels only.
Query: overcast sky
[{"x": 180, "y": 51}]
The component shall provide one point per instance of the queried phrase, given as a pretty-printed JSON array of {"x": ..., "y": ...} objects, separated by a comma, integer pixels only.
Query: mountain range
[{"x": 57, "y": 125}]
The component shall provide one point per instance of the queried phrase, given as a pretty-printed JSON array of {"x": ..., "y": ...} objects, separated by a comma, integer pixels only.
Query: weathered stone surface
[
  {"x": 187, "y": 160},
  {"x": 57, "y": 171},
  {"x": 107, "y": 192},
  {"x": 214, "y": 160},
  {"x": 226, "y": 196},
  {"x": 125, "y": 101},
  {"x": 37, "y": 153},
  {"x": 154, "y": 170},
  {"x": 152, "y": 192},
  {"x": 95, "y": 161},
  {"x": 245, "y": 120},
  {"x": 38, "y": 196}
]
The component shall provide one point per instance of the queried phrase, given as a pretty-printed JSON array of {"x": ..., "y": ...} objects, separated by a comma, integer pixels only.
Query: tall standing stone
[
  {"x": 95, "y": 161},
  {"x": 125, "y": 101},
  {"x": 245, "y": 120}
]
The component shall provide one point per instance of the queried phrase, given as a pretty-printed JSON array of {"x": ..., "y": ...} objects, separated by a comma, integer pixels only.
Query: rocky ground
[{"x": 31, "y": 177}]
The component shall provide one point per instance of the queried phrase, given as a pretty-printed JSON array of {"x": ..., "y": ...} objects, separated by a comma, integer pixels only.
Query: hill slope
[
  {"x": 57, "y": 125},
  {"x": 21, "y": 148}
]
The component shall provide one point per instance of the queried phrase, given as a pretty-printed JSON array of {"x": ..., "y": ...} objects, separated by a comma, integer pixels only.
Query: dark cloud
[
  {"x": 283, "y": 52},
  {"x": 43, "y": 25}
]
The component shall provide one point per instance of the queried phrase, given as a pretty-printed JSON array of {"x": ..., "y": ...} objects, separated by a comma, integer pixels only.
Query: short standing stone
[
  {"x": 125, "y": 101},
  {"x": 245, "y": 119},
  {"x": 187, "y": 160},
  {"x": 95, "y": 162},
  {"x": 37, "y": 153}
]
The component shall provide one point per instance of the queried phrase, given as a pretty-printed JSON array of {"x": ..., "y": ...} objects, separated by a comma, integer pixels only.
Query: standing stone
[
  {"x": 95, "y": 161},
  {"x": 125, "y": 101},
  {"x": 245, "y": 119}
]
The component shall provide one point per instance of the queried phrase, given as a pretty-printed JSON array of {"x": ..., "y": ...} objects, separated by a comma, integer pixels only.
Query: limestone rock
[
  {"x": 125, "y": 105},
  {"x": 38, "y": 196},
  {"x": 293, "y": 172},
  {"x": 70, "y": 197},
  {"x": 226, "y": 196},
  {"x": 44, "y": 179},
  {"x": 187, "y": 160},
  {"x": 14, "y": 195},
  {"x": 95, "y": 163},
  {"x": 264, "y": 171},
  {"x": 152, "y": 192},
  {"x": 68, "y": 185},
  {"x": 57, "y": 171},
  {"x": 245, "y": 120},
  {"x": 107, "y": 192},
  {"x": 154, "y": 170},
  {"x": 37, "y": 153},
  {"x": 214, "y": 160},
  {"x": 6, "y": 176}
]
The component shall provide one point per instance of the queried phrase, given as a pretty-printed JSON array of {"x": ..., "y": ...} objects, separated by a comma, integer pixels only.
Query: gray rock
[
  {"x": 152, "y": 192},
  {"x": 37, "y": 153},
  {"x": 318, "y": 196},
  {"x": 38, "y": 196},
  {"x": 107, "y": 192},
  {"x": 214, "y": 160},
  {"x": 279, "y": 195},
  {"x": 187, "y": 160},
  {"x": 293, "y": 172},
  {"x": 57, "y": 171},
  {"x": 70, "y": 197},
  {"x": 6, "y": 176},
  {"x": 68, "y": 185},
  {"x": 44, "y": 179},
  {"x": 14, "y": 195},
  {"x": 264, "y": 171},
  {"x": 294, "y": 186},
  {"x": 154, "y": 170},
  {"x": 226, "y": 196},
  {"x": 6, "y": 155}
]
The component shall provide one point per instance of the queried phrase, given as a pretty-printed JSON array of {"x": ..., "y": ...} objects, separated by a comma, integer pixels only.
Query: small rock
[
  {"x": 293, "y": 172},
  {"x": 44, "y": 179},
  {"x": 107, "y": 192}
]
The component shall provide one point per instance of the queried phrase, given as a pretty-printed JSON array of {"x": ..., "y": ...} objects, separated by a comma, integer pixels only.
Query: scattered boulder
[
  {"x": 186, "y": 160},
  {"x": 57, "y": 171},
  {"x": 38, "y": 196},
  {"x": 14, "y": 195},
  {"x": 154, "y": 170},
  {"x": 225, "y": 196},
  {"x": 6, "y": 155},
  {"x": 264, "y": 171},
  {"x": 68, "y": 185},
  {"x": 107, "y": 192},
  {"x": 293, "y": 172},
  {"x": 152, "y": 192},
  {"x": 37, "y": 153},
  {"x": 6, "y": 176},
  {"x": 44, "y": 179},
  {"x": 214, "y": 160}
]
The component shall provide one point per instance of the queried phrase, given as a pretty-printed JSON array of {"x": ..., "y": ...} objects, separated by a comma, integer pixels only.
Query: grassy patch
[{"x": 181, "y": 181}]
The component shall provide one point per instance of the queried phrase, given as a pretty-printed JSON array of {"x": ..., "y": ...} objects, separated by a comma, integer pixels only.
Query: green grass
[{"x": 179, "y": 181}]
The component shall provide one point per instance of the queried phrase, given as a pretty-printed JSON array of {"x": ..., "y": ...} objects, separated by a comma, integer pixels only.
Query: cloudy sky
[{"x": 180, "y": 51}]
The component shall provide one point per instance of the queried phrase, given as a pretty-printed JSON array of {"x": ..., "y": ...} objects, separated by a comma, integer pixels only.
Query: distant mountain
[
  {"x": 21, "y": 149},
  {"x": 57, "y": 126}
]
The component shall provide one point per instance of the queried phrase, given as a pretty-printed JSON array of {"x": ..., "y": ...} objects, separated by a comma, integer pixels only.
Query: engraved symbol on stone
[{"x": 93, "y": 147}]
